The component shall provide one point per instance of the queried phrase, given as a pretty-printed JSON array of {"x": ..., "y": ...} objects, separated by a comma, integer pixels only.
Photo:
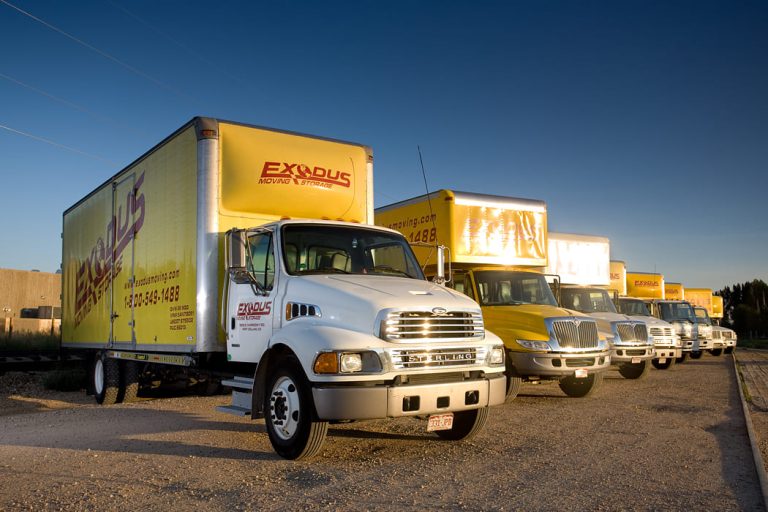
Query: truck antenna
[
  {"x": 440, "y": 278},
  {"x": 426, "y": 187}
]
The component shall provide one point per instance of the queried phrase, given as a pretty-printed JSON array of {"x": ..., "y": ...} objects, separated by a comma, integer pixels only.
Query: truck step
[
  {"x": 239, "y": 382},
  {"x": 234, "y": 410}
]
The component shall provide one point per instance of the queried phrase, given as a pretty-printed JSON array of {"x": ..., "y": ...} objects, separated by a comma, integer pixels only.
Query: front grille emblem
[{"x": 439, "y": 311}]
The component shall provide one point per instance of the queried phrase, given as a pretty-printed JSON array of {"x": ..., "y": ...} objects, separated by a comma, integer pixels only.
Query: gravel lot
[{"x": 675, "y": 440}]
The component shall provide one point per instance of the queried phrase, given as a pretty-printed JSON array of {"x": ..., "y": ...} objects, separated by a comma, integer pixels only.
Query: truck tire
[
  {"x": 105, "y": 379},
  {"x": 466, "y": 425},
  {"x": 666, "y": 365},
  {"x": 728, "y": 350},
  {"x": 578, "y": 388},
  {"x": 634, "y": 371},
  {"x": 289, "y": 415},
  {"x": 716, "y": 352},
  {"x": 696, "y": 354},
  {"x": 130, "y": 386},
  {"x": 682, "y": 358},
  {"x": 514, "y": 382}
]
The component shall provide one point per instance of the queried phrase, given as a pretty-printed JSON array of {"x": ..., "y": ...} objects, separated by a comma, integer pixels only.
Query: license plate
[
  {"x": 635, "y": 360},
  {"x": 440, "y": 422},
  {"x": 662, "y": 360},
  {"x": 581, "y": 374}
]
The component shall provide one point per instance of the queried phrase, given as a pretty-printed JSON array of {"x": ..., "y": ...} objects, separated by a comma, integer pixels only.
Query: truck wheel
[
  {"x": 293, "y": 431},
  {"x": 578, "y": 388},
  {"x": 728, "y": 350},
  {"x": 105, "y": 379},
  {"x": 716, "y": 351},
  {"x": 130, "y": 375},
  {"x": 634, "y": 371},
  {"x": 514, "y": 382},
  {"x": 664, "y": 366},
  {"x": 682, "y": 358},
  {"x": 466, "y": 425},
  {"x": 696, "y": 354}
]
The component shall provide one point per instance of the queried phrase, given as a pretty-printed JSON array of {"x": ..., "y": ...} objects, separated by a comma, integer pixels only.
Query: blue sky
[{"x": 645, "y": 122}]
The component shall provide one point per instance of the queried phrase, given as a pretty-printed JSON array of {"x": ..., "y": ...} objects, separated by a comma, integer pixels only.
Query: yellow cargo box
[
  {"x": 141, "y": 252},
  {"x": 674, "y": 291},
  {"x": 645, "y": 285},
  {"x": 701, "y": 297},
  {"x": 717, "y": 307},
  {"x": 618, "y": 278},
  {"x": 476, "y": 228}
]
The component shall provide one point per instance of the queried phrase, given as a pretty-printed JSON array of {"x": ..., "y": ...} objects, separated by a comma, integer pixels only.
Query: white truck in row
[{"x": 249, "y": 255}]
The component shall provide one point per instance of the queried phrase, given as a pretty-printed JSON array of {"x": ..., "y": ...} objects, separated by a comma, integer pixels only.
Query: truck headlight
[
  {"x": 347, "y": 362},
  {"x": 350, "y": 363},
  {"x": 542, "y": 346},
  {"x": 496, "y": 356}
]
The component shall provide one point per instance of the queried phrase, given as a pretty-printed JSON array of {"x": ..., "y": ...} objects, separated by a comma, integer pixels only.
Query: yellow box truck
[
  {"x": 248, "y": 254},
  {"x": 583, "y": 264},
  {"x": 497, "y": 247},
  {"x": 642, "y": 288},
  {"x": 674, "y": 291},
  {"x": 618, "y": 284},
  {"x": 701, "y": 300}
]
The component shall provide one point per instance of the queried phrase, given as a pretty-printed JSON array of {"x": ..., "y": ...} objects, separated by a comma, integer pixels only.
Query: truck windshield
[
  {"x": 323, "y": 249},
  {"x": 511, "y": 288},
  {"x": 702, "y": 316},
  {"x": 587, "y": 300},
  {"x": 633, "y": 307},
  {"x": 670, "y": 311}
]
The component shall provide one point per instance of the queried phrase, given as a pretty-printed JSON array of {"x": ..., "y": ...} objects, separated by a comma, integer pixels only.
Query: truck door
[
  {"x": 122, "y": 233},
  {"x": 251, "y": 301}
]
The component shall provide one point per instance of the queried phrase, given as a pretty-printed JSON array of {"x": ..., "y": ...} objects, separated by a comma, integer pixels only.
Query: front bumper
[
  {"x": 705, "y": 344},
  {"x": 718, "y": 344},
  {"x": 628, "y": 353},
  {"x": 667, "y": 352},
  {"x": 375, "y": 402},
  {"x": 558, "y": 364}
]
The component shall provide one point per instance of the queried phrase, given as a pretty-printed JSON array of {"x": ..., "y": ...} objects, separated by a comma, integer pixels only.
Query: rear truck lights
[
  {"x": 541, "y": 346},
  {"x": 336, "y": 362},
  {"x": 496, "y": 356}
]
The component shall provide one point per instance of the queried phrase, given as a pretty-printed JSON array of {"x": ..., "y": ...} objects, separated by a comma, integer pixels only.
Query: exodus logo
[
  {"x": 104, "y": 261},
  {"x": 302, "y": 174},
  {"x": 250, "y": 310},
  {"x": 646, "y": 283}
]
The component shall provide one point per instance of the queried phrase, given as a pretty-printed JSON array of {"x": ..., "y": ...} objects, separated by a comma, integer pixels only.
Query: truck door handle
[{"x": 233, "y": 324}]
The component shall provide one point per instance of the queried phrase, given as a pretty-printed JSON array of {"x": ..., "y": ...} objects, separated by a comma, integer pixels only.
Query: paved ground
[
  {"x": 753, "y": 364},
  {"x": 673, "y": 441}
]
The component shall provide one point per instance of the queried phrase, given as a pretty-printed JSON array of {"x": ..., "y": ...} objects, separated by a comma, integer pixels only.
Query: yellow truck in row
[
  {"x": 246, "y": 254},
  {"x": 583, "y": 264},
  {"x": 497, "y": 249}
]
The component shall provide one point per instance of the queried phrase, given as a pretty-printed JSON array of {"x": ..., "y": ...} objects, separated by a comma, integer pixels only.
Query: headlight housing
[
  {"x": 541, "y": 346},
  {"x": 341, "y": 362},
  {"x": 496, "y": 355}
]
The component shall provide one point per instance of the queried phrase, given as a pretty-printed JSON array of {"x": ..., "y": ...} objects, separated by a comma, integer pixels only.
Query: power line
[
  {"x": 103, "y": 53},
  {"x": 75, "y": 106},
  {"x": 176, "y": 42},
  {"x": 52, "y": 143}
]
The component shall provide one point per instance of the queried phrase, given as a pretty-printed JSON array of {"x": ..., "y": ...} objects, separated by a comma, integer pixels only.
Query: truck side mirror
[
  {"x": 236, "y": 246},
  {"x": 443, "y": 276}
]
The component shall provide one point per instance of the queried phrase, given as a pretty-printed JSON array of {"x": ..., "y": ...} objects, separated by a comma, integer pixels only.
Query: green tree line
[{"x": 745, "y": 309}]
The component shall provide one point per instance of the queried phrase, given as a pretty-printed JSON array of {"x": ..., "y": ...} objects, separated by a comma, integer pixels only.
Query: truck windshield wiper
[
  {"x": 386, "y": 269},
  {"x": 324, "y": 270}
]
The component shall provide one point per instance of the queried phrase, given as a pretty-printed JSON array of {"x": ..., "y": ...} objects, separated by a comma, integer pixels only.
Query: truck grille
[
  {"x": 419, "y": 325},
  {"x": 716, "y": 335},
  {"x": 437, "y": 357},
  {"x": 661, "y": 331},
  {"x": 632, "y": 332},
  {"x": 571, "y": 334}
]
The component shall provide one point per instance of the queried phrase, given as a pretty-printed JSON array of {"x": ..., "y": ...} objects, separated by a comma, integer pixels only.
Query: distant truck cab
[{"x": 583, "y": 264}]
